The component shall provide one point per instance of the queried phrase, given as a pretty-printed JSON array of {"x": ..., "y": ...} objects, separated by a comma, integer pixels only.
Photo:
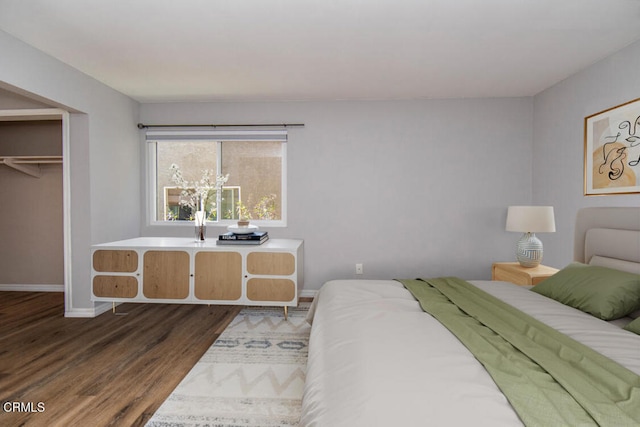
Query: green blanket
[{"x": 549, "y": 378}]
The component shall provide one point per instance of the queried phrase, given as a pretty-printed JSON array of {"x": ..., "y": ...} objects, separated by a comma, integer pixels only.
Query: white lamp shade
[{"x": 531, "y": 219}]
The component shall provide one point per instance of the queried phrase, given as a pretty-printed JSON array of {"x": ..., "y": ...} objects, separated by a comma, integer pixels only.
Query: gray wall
[
  {"x": 408, "y": 188},
  {"x": 103, "y": 157},
  {"x": 14, "y": 101},
  {"x": 558, "y": 143}
]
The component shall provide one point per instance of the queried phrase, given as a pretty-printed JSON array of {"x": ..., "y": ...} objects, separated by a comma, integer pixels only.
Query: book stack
[{"x": 255, "y": 238}]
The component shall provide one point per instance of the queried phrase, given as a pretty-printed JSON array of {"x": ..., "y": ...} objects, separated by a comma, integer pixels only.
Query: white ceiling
[{"x": 238, "y": 50}]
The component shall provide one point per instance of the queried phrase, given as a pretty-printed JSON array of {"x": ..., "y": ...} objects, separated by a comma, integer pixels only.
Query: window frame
[{"x": 151, "y": 177}]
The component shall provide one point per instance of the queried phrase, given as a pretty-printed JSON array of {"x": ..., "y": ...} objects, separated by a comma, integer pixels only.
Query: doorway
[{"x": 34, "y": 189}]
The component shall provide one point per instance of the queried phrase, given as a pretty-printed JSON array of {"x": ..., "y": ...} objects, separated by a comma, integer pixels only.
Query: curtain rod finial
[{"x": 141, "y": 126}]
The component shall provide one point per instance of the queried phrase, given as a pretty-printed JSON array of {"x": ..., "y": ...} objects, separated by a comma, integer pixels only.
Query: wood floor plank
[{"x": 112, "y": 370}]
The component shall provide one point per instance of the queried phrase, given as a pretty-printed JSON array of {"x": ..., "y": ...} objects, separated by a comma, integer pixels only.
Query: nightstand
[{"x": 513, "y": 272}]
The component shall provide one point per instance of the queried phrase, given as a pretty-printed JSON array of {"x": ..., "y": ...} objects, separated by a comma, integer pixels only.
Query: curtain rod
[{"x": 143, "y": 126}]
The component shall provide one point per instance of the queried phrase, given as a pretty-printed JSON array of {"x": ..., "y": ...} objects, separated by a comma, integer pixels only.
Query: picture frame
[{"x": 612, "y": 150}]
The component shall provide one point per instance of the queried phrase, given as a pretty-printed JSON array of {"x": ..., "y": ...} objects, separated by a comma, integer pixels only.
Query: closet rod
[{"x": 286, "y": 125}]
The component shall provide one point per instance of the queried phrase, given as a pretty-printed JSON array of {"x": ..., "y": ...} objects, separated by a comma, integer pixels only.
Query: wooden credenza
[{"x": 179, "y": 270}]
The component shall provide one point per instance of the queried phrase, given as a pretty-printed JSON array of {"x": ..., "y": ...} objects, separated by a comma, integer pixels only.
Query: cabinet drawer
[
  {"x": 117, "y": 261},
  {"x": 271, "y": 263},
  {"x": 115, "y": 286},
  {"x": 271, "y": 290}
]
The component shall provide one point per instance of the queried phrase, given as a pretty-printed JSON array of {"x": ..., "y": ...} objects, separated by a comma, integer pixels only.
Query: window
[{"x": 183, "y": 166}]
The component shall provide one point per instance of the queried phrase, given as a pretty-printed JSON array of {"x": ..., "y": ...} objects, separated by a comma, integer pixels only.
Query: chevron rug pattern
[{"x": 253, "y": 375}]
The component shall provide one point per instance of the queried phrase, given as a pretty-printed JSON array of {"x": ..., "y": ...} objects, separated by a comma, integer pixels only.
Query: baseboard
[
  {"x": 80, "y": 312},
  {"x": 32, "y": 288},
  {"x": 103, "y": 307},
  {"x": 89, "y": 312},
  {"x": 308, "y": 293}
]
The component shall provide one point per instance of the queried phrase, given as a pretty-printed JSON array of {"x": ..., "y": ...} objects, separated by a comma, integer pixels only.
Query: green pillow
[
  {"x": 603, "y": 292},
  {"x": 634, "y": 326}
]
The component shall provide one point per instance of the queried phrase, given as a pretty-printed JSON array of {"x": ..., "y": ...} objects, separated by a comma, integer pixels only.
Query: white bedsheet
[{"x": 376, "y": 359}]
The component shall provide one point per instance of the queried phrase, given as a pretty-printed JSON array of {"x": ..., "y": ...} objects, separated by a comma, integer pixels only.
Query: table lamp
[{"x": 530, "y": 220}]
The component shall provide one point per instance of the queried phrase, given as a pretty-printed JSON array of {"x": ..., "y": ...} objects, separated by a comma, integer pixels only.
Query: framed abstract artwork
[{"x": 612, "y": 150}]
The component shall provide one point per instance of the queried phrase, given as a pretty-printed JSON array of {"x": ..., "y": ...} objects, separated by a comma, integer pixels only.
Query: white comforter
[{"x": 376, "y": 359}]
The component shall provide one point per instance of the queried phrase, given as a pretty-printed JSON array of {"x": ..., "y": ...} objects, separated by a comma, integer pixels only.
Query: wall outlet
[{"x": 359, "y": 269}]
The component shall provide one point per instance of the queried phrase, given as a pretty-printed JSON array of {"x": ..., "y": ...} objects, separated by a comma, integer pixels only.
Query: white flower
[{"x": 195, "y": 195}]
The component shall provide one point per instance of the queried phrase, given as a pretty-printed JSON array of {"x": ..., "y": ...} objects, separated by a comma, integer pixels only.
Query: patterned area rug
[{"x": 253, "y": 375}]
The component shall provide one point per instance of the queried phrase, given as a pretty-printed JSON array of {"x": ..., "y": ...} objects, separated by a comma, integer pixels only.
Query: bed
[{"x": 376, "y": 358}]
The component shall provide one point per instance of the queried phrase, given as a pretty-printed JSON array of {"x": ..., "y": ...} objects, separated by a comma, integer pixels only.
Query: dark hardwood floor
[{"x": 112, "y": 370}]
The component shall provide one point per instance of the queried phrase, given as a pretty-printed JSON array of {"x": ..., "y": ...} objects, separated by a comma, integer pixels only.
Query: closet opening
[{"x": 34, "y": 176}]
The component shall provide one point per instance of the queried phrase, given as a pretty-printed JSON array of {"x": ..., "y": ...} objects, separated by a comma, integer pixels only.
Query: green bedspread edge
[{"x": 549, "y": 378}]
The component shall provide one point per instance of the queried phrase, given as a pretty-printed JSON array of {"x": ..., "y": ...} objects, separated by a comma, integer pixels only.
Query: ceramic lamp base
[{"x": 529, "y": 250}]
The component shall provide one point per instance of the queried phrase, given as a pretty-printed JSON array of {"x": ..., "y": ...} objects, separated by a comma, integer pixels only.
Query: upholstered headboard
[{"x": 609, "y": 237}]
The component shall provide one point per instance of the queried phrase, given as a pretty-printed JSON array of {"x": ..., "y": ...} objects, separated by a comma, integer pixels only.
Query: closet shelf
[{"x": 29, "y": 164}]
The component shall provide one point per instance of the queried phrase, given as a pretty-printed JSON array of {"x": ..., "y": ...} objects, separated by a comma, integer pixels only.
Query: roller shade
[{"x": 216, "y": 135}]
